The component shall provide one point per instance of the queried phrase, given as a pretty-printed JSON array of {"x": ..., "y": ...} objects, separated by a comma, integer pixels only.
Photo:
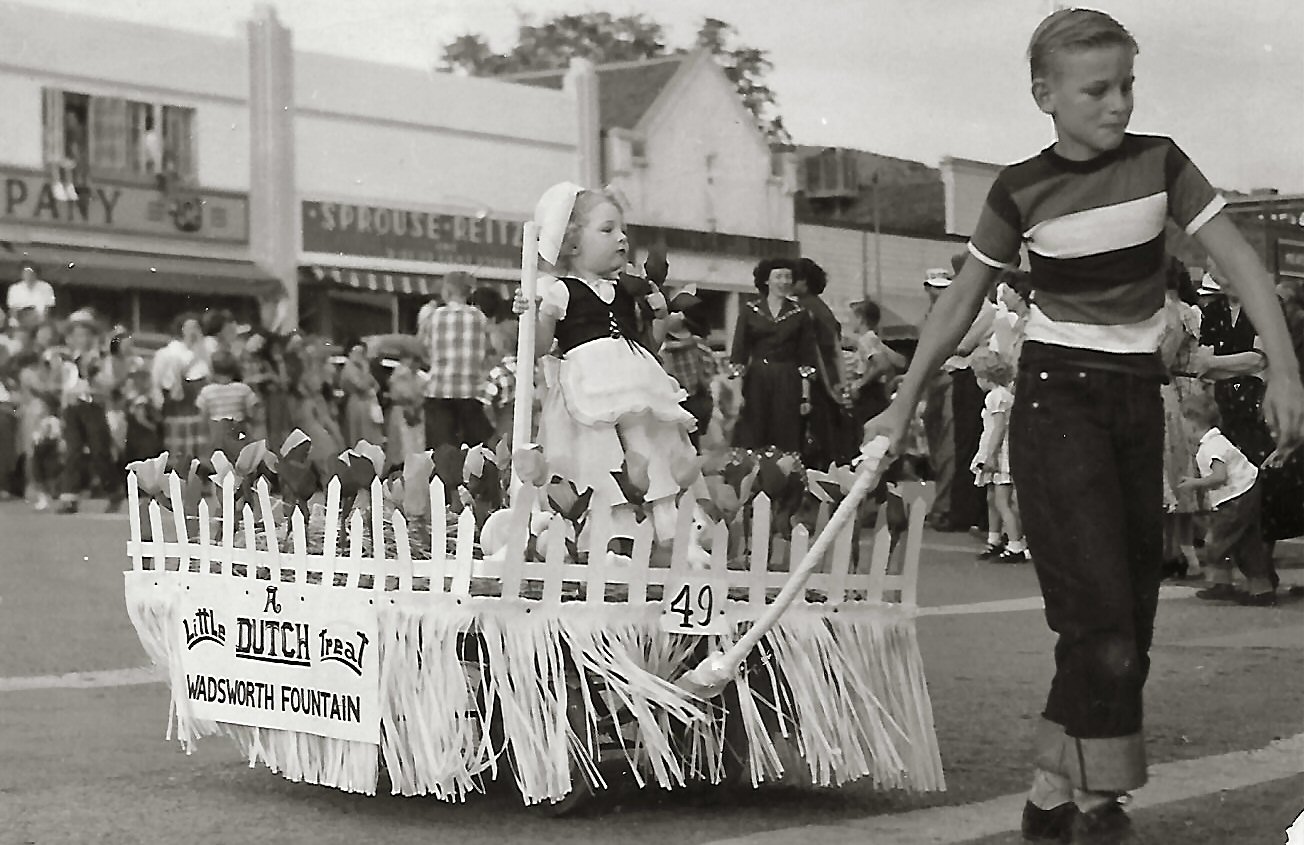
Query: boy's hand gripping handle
[{"x": 714, "y": 673}]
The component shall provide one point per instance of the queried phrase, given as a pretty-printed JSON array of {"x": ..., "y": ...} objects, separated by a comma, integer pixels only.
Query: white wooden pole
[{"x": 523, "y": 406}]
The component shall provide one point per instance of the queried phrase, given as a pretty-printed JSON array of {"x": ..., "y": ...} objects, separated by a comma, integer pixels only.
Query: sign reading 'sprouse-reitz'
[{"x": 298, "y": 657}]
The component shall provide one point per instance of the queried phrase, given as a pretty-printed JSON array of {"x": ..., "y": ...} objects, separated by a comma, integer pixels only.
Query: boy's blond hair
[{"x": 1074, "y": 29}]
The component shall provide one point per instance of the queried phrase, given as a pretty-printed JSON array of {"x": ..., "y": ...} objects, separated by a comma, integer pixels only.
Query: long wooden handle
[
  {"x": 523, "y": 401},
  {"x": 867, "y": 478}
]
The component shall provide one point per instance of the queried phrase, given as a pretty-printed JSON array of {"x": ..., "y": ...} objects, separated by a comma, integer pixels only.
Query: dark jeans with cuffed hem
[{"x": 1086, "y": 452}]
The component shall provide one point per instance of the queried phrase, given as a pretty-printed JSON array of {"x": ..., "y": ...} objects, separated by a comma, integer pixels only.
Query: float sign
[{"x": 298, "y": 657}]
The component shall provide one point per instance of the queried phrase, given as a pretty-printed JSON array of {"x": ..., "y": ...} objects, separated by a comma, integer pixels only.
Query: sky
[{"x": 917, "y": 79}]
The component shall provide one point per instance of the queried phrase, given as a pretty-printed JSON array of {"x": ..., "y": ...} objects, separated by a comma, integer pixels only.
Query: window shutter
[
  {"x": 108, "y": 135},
  {"x": 178, "y": 143},
  {"x": 52, "y": 122}
]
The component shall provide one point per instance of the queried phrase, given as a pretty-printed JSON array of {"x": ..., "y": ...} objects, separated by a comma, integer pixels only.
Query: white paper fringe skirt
[{"x": 475, "y": 688}]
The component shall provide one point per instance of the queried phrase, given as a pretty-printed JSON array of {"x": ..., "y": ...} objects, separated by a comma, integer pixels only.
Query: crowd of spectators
[
  {"x": 79, "y": 400},
  {"x": 1214, "y": 388}
]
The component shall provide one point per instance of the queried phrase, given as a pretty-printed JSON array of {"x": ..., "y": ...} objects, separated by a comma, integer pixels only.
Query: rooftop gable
[{"x": 626, "y": 90}]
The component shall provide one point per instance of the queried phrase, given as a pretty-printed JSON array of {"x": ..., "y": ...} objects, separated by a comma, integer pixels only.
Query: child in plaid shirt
[
  {"x": 693, "y": 364},
  {"x": 456, "y": 337}
]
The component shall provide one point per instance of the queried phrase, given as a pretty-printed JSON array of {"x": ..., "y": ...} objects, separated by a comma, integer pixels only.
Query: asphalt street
[{"x": 83, "y": 757}]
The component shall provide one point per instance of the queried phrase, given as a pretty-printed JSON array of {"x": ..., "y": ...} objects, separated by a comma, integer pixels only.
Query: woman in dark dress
[
  {"x": 1227, "y": 329},
  {"x": 1283, "y": 517},
  {"x": 774, "y": 351},
  {"x": 831, "y": 433}
]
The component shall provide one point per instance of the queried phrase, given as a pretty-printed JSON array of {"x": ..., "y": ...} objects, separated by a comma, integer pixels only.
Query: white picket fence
[{"x": 873, "y": 574}]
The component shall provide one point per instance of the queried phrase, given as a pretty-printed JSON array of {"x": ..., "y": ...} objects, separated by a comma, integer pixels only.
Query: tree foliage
[
  {"x": 603, "y": 38},
  {"x": 746, "y": 68}
]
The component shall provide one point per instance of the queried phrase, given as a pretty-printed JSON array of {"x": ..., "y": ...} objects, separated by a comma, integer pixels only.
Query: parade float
[{"x": 469, "y": 619}]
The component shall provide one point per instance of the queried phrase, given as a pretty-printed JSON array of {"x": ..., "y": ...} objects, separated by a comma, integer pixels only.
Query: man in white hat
[
  {"x": 89, "y": 445},
  {"x": 968, "y": 500},
  {"x": 1209, "y": 286},
  {"x": 939, "y": 422}
]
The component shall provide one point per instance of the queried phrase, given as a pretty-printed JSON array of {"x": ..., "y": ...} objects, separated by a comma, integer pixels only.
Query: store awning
[
  {"x": 416, "y": 284},
  {"x": 117, "y": 269},
  {"x": 388, "y": 281}
]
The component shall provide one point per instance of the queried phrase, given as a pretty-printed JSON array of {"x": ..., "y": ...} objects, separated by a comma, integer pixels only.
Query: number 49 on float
[{"x": 694, "y": 605}]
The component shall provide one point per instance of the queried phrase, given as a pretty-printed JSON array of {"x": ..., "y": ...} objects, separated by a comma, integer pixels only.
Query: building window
[
  {"x": 111, "y": 137},
  {"x": 831, "y": 173}
]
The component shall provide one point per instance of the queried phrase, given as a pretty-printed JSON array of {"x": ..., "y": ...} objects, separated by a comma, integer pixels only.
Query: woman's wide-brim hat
[{"x": 684, "y": 298}]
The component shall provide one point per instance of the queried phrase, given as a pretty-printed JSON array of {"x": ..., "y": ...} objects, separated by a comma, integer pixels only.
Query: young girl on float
[{"x": 609, "y": 405}]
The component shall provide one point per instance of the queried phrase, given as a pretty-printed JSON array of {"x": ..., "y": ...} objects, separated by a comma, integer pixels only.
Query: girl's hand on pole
[{"x": 520, "y": 304}]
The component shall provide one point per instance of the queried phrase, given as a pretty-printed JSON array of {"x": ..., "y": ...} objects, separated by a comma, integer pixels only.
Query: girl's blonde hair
[
  {"x": 585, "y": 203},
  {"x": 990, "y": 366}
]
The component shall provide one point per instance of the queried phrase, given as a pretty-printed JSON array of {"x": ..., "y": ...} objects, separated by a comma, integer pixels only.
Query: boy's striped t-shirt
[
  {"x": 231, "y": 401},
  {"x": 1095, "y": 236}
]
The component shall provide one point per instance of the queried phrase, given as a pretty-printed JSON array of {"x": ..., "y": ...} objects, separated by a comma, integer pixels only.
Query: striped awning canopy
[{"x": 380, "y": 281}]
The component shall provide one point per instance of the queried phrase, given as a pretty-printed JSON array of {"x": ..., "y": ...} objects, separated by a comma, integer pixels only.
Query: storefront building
[
  {"x": 127, "y": 188},
  {"x": 404, "y": 176},
  {"x": 385, "y": 263},
  {"x": 1274, "y": 226},
  {"x": 287, "y": 186},
  {"x": 878, "y": 224}
]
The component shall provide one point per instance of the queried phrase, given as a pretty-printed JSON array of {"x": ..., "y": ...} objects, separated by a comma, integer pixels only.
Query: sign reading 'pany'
[
  {"x": 377, "y": 232},
  {"x": 28, "y": 198}
]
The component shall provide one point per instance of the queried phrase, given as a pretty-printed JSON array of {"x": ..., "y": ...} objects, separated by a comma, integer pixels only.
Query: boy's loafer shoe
[
  {"x": 1107, "y": 824},
  {"x": 1053, "y": 825},
  {"x": 1218, "y": 592},
  {"x": 1257, "y": 599}
]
